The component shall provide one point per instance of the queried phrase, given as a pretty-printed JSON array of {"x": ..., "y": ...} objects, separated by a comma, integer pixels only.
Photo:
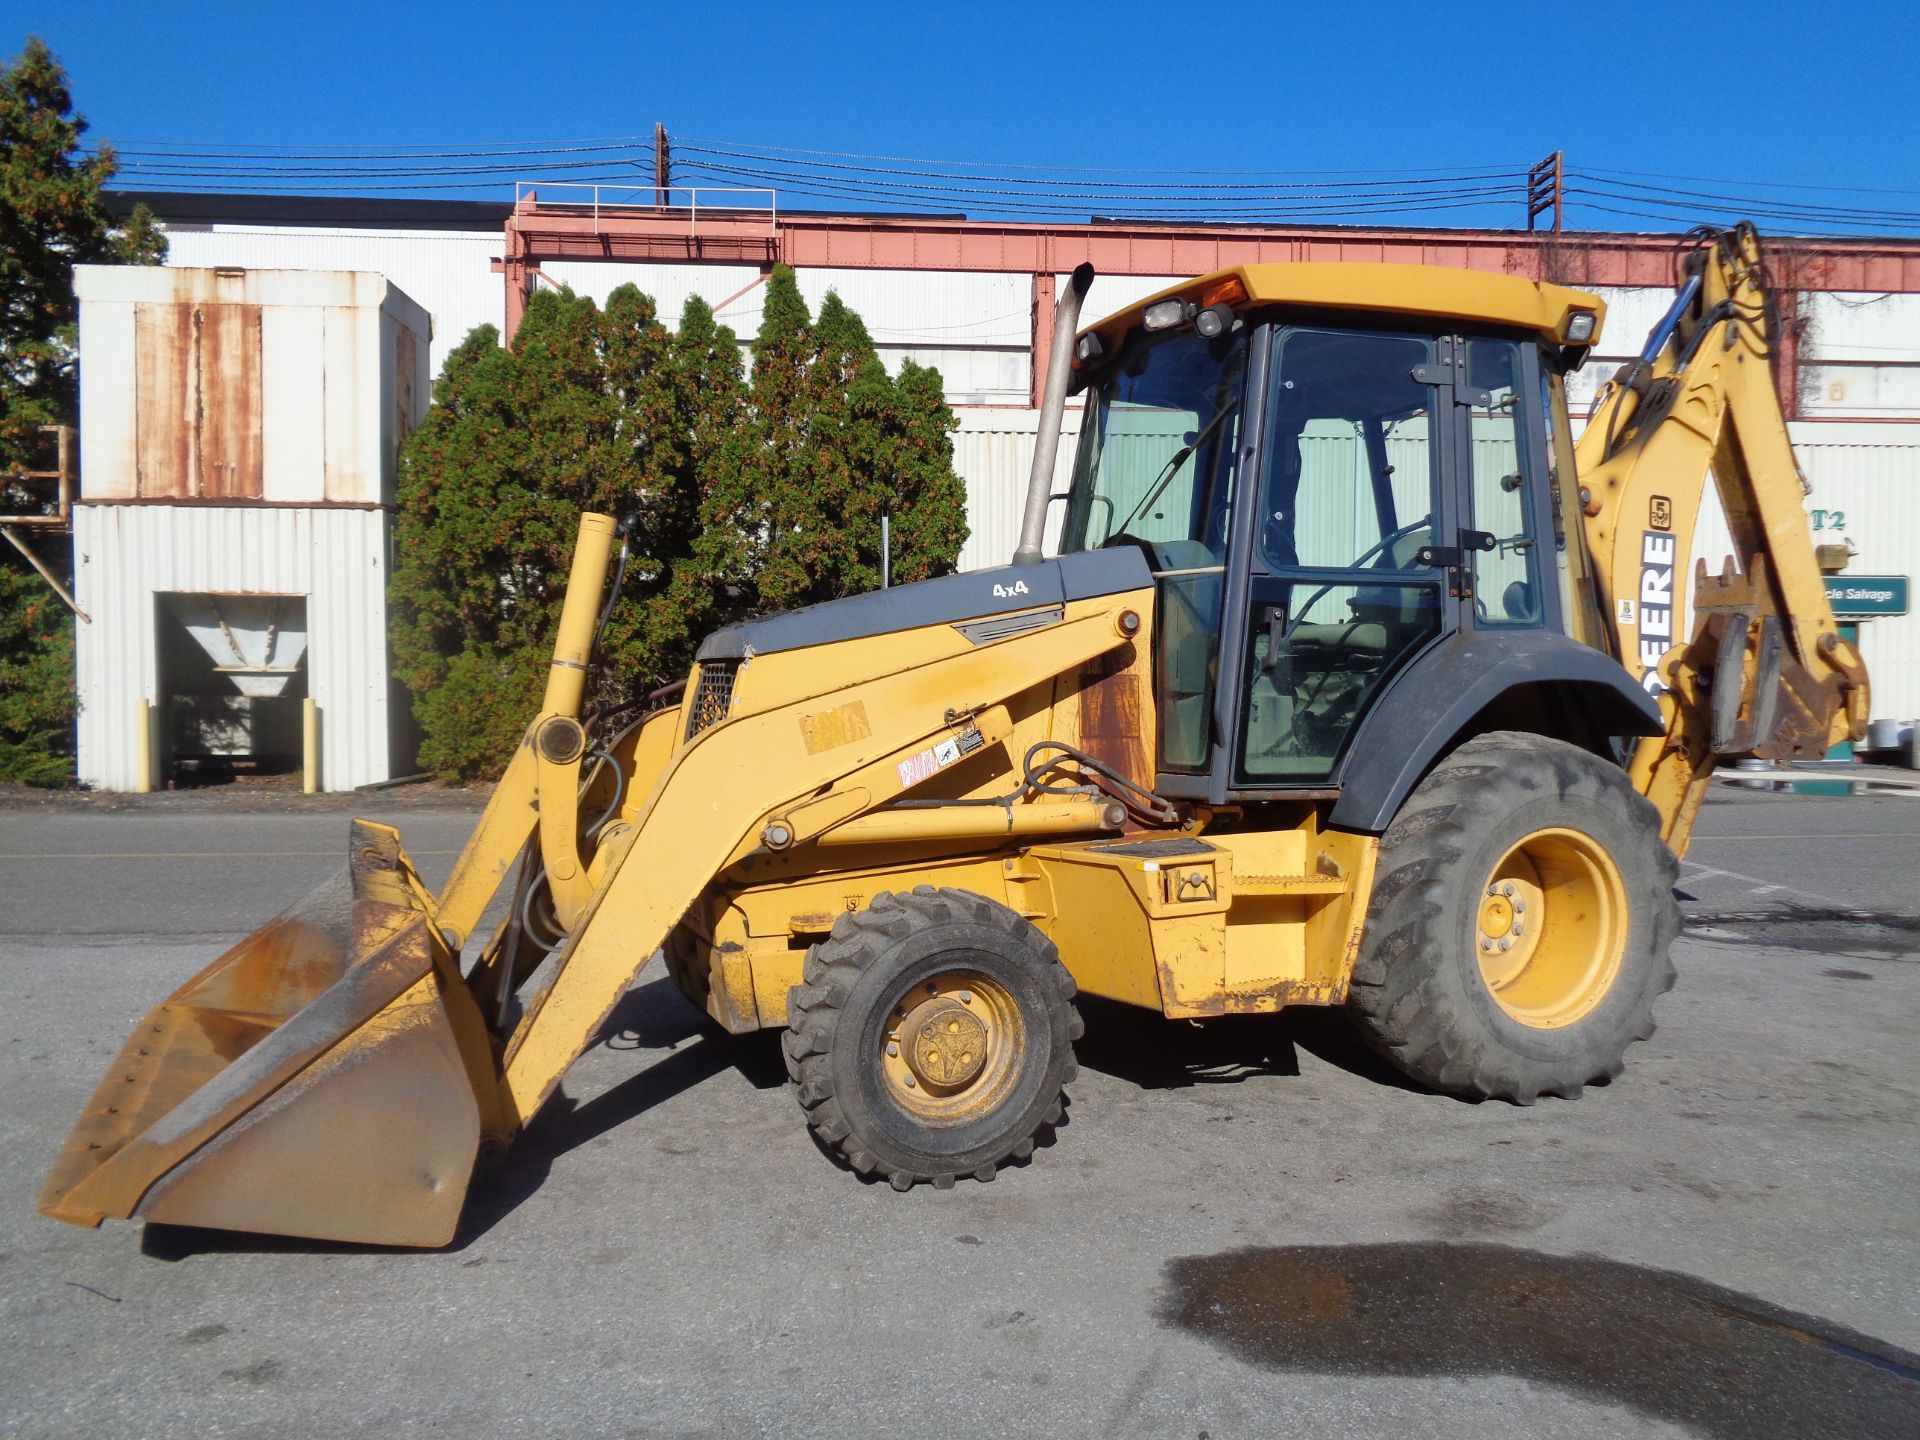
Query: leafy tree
[
  {"x": 51, "y": 218},
  {"x": 745, "y": 496}
]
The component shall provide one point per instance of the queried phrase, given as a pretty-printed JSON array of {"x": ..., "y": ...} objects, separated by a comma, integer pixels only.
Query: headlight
[
  {"x": 1214, "y": 320},
  {"x": 1165, "y": 313}
]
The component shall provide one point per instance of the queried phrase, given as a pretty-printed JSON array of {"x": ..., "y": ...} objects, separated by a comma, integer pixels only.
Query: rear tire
[
  {"x": 1521, "y": 926},
  {"x": 931, "y": 1037}
]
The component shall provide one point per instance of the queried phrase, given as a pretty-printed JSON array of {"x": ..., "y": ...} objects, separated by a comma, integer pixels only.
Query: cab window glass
[
  {"x": 1350, "y": 469},
  {"x": 1506, "y": 578}
]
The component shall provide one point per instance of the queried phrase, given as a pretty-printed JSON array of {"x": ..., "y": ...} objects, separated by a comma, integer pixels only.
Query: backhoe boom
[{"x": 1764, "y": 671}]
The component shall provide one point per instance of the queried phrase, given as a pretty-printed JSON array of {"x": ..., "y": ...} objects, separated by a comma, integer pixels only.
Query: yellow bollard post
[
  {"x": 142, "y": 747},
  {"x": 309, "y": 746}
]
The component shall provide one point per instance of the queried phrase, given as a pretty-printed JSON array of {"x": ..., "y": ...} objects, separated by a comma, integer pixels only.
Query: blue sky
[{"x": 1763, "y": 96}]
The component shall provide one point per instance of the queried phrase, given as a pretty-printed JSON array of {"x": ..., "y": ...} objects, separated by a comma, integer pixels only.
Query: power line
[
  {"x": 1013, "y": 189},
  {"x": 1615, "y": 188},
  {"x": 418, "y": 151},
  {"x": 1762, "y": 184},
  {"x": 1041, "y": 204},
  {"x": 1130, "y": 185},
  {"x": 1078, "y": 169}
]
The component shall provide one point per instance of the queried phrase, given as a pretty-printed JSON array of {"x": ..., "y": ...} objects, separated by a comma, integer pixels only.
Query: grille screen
[{"x": 712, "y": 695}]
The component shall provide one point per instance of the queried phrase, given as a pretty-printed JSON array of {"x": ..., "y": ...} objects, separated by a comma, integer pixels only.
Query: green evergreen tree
[
  {"x": 744, "y": 497},
  {"x": 712, "y": 575},
  {"x": 52, "y": 218},
  {"x": 929, "y": 500}
]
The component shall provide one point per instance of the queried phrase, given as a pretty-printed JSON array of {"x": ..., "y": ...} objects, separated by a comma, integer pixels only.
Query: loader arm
[
  {"x": 1764, "y": 672},
  {"x": 764, "y": 778}
]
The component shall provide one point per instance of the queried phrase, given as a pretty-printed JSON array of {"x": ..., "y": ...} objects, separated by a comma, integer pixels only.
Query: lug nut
[
  {"x": 1519, "y": 929},
  {"x": 1507, "y": 890},
  {"x": 1486, "y": 942},
  {"x": 893, "y": 1049},
  {"x": 1519, "y": 907},
  {"x": 1505, "y": 943},
  {"x": 966, "y": 997},
  {"x": 910, "y": 1082}
]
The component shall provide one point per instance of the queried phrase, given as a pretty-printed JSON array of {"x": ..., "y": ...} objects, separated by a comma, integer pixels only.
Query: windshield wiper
[{"x": 1178, "y": 458}]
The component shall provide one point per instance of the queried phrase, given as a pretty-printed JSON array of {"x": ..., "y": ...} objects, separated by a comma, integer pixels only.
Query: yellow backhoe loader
[{"x": 1354, "y": 682}]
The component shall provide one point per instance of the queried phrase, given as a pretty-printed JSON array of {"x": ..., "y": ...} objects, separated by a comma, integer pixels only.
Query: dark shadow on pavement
[
  {"x": 653, "y": 1017},
  {"x": 1148, "y": 1050}
]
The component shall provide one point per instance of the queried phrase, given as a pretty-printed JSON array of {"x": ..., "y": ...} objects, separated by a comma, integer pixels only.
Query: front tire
[
  {"x": 1521, "y": 926},
  {"x": 931, "y": 1037}
]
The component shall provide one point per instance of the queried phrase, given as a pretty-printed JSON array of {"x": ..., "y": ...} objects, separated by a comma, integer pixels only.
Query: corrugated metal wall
[
  {"x": 1871, "y": 474},
  {"x": 337, "y": 558},
  {"x": 993, "y": 452}
]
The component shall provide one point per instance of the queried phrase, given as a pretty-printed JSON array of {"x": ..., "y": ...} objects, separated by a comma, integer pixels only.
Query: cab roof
[{"x": 1427, "y": 291}]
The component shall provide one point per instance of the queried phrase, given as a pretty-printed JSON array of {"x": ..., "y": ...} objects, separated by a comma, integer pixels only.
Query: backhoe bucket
[{"x": 326, "y": 1077}]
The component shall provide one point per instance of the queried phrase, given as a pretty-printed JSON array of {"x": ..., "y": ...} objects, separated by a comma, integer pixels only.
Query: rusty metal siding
[
  {"x": 285, "y": 386},
  {"x": 124, "y": 555},
  {"x": 447, "y": 271},
  {"x": 197, "y": 403}
]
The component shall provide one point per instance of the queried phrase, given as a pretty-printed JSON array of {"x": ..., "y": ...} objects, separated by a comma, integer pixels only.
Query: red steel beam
[{"x": 537, "y": 232}]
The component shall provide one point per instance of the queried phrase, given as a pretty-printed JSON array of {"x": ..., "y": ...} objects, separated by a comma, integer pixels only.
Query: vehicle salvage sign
[{"x": 1855, "y": 597}]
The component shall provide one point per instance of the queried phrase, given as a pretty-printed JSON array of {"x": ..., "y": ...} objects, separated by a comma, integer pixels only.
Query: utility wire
[
  {"x": 1493, "y": 193},
  {"x": 1761, "y": 184},
  {"x": 682, "y": 148},
  {"x": 681, "y": 142}
]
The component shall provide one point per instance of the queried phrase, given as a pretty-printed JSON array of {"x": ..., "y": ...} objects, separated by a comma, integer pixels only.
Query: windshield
[{"x": 1157, "y": 448}]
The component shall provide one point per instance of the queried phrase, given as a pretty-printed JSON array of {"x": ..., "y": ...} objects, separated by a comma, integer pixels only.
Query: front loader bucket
[{"x": 325, "y": 1077}]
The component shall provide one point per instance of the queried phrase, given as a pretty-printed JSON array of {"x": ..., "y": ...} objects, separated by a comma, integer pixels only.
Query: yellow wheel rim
[
  {"x": 952, "y": 1046},
  {"x": 1551, "y": 928}
]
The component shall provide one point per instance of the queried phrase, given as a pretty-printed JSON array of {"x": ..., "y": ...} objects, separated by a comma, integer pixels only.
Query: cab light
[
  {"x": 1228, "y": 292},
  {"x": 1165, "y": 313},
  {"x": 1579, "y": 327},
  {"x": 1213, "y": 320},
  {"x": 1089, "y": 349}
]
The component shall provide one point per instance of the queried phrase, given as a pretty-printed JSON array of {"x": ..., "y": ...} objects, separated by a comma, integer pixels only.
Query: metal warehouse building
[{"x": 974, "y": 299}]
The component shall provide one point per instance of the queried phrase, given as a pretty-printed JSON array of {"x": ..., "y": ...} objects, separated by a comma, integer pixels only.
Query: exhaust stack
[{"x": 1053, "y": 403}]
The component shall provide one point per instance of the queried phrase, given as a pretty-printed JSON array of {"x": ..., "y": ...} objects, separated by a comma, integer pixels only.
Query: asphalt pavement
[{"x": 1246, "y": 1227}]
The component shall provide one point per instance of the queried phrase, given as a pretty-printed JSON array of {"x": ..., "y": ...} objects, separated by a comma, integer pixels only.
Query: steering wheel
[{"x": 1360, "y": 560}]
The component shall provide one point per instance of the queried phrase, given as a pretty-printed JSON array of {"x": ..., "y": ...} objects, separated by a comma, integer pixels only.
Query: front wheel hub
[
  {"x": 944, "y": 1043},
  {"x": 953, "y": 1048}
]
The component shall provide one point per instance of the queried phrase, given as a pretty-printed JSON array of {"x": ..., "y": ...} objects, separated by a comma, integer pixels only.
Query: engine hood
[{"x": 949, "y": 600}]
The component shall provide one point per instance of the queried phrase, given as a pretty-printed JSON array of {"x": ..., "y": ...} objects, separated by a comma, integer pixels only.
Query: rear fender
[{"x": 1451, "y": 693}]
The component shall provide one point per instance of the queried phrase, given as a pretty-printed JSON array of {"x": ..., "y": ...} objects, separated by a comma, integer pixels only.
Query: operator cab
[{"x": 1326, "y": 491}]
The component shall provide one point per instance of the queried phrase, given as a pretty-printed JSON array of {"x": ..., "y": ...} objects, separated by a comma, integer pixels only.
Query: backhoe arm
[{"x": 1764, "y": 671}]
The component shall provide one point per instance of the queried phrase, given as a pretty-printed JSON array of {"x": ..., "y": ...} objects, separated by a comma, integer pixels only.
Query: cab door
[
  {"x": 1347, "y": 564},
  {"x": 1512, "y": 551}
]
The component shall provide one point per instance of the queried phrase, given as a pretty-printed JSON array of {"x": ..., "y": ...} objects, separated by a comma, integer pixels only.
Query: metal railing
[{"x": 628, "y": 198}]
